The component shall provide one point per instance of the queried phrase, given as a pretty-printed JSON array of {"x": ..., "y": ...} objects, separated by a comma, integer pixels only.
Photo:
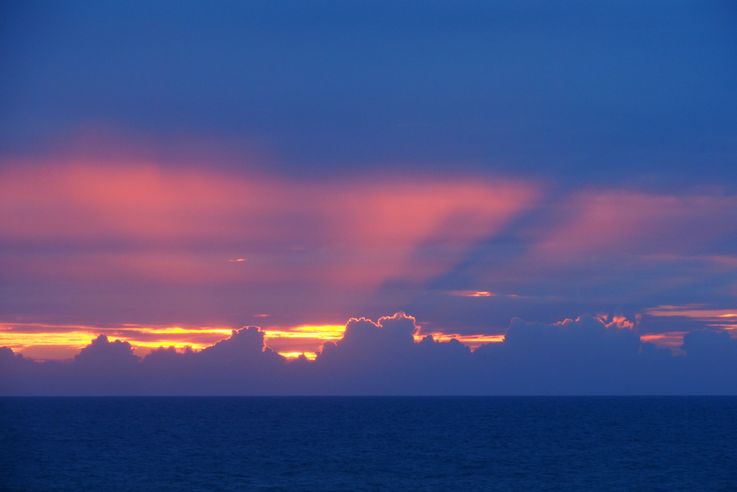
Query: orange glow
[
  {"x": 713, "y": 318},
  {"x": 303, "y": 338},
  {"x": 616, "y": 321},
  {"x": 323, "y": 332},
  {"x": 20, "y": 341},
  {"x": 63, "y": 341},
  {"x": 472, "y": 293},
  {"x": 670, "y": 339},
  {"x": 296, "y": 355},
  {"x": 473, "y": 341},
  {"x": 694, "y": 311},
  {"x": 56, "y": 340}
]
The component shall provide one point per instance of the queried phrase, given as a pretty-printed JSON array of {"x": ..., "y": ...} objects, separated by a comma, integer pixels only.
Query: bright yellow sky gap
[
  {"x": 23, "y": 337},
  {"x": 48, "y": 341},
  {"x": 52, "y": 341},
  {"x": 322, "y": 332},
  {"x": 473, "y": 340},
  {"x": 296, "y": 355}
]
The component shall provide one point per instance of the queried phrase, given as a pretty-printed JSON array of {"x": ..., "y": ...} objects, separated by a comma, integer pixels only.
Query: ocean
[{"x": 368, "y": 443}]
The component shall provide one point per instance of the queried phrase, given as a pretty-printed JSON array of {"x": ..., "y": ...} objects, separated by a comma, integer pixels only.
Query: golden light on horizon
[
  {"x": 322, "y": 332},
  {"x": 297, "y": 355},
  {"x": 63, "y": 341},
  {"x": 26, "y": 338},
  {"x": 20, "y": 340},
  {"x": 301, "y": 339},
  {"x": 473, "y": 341}
]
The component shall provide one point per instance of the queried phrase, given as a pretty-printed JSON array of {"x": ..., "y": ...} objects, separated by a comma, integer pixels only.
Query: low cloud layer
[{"x": 587, "y": 355}]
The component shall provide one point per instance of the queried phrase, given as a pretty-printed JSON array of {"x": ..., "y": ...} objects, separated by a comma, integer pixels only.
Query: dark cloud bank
[{"x": 572, "y": 357}]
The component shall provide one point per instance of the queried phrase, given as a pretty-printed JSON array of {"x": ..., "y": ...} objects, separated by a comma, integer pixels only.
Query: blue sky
[{"x": 576, "y": 92}]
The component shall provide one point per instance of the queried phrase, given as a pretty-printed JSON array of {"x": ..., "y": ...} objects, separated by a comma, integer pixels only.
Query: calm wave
[{"x": 368, "y": 443}]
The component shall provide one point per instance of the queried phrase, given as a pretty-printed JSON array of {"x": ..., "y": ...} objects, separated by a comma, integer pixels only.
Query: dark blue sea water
[{"x": 673, "y": 443}]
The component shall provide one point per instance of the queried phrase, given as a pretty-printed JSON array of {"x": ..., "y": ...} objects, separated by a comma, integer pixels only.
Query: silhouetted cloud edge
[{"x": 585, "y": 356}]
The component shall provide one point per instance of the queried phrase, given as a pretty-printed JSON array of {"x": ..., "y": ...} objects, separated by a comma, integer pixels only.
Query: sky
[{"x": 171, "y": 172}]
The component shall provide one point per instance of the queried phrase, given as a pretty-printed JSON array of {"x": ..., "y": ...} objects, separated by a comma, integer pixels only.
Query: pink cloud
[
  {"x": 143, "y": 221},
  {"x": 616, "y": 222}
]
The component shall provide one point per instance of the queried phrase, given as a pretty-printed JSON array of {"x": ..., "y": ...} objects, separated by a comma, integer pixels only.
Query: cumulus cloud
[
  {"x": 103, "y": 353},
  {"x": 382, "y": 357},
  {"x": 587, "y": 355}
]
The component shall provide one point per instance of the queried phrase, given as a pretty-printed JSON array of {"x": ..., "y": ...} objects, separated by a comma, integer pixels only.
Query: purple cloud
[{"x": 582, "y": 356}]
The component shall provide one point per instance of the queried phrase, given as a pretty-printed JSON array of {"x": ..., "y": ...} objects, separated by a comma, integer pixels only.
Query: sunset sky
[{"x": 170, "y": 173}]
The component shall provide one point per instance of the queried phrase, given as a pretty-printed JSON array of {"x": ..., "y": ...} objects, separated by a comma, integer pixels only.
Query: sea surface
[{"x": 372, "y": 443}]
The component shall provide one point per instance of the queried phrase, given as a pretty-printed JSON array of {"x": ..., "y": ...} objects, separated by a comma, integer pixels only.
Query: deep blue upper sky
[{"x": 577, "y": 92}]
